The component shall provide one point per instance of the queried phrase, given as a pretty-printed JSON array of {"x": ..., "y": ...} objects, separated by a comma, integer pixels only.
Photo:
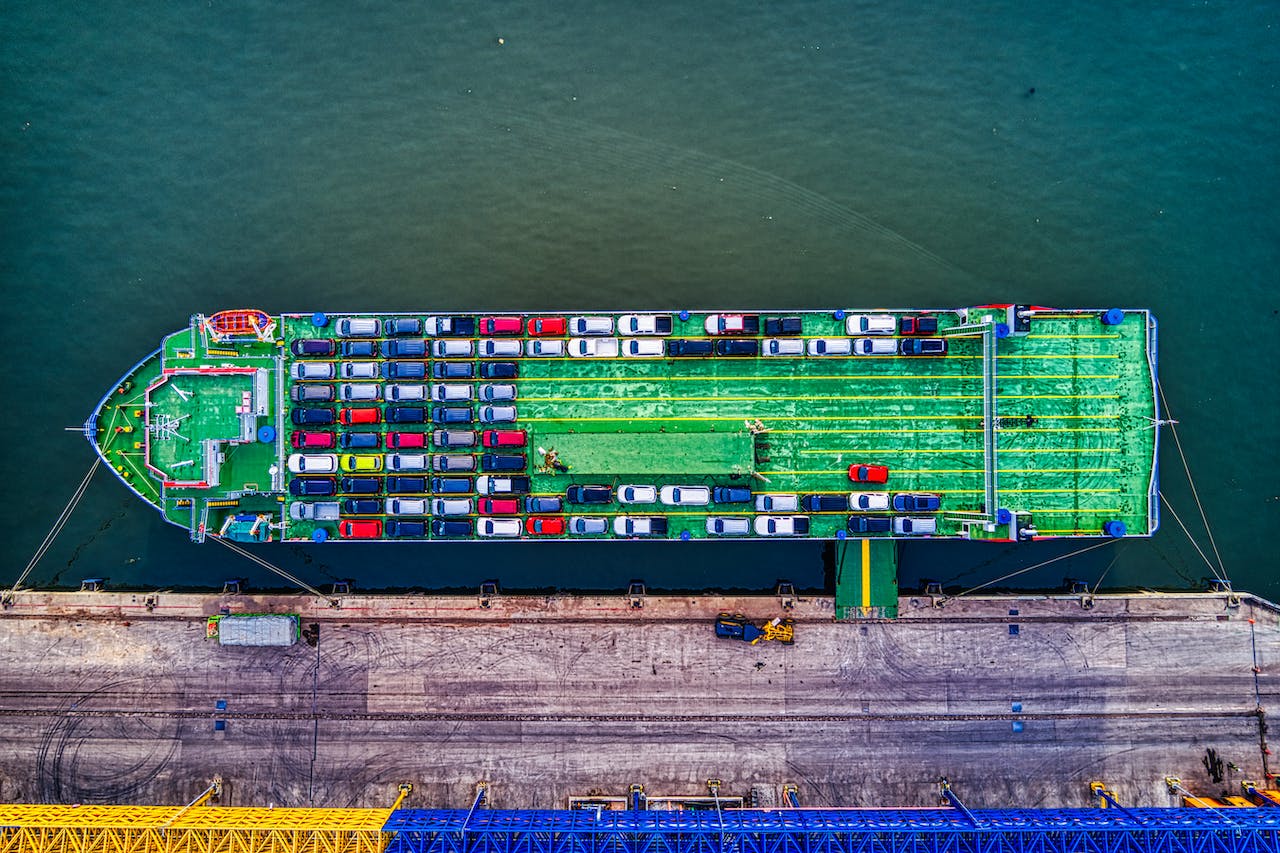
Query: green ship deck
[{"x": 1035, "y": 423}]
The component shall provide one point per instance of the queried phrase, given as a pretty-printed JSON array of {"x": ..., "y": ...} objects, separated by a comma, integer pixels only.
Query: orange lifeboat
[{"x": 240, "y": 323}]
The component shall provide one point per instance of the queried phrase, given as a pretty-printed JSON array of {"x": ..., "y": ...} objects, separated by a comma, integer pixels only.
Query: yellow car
[{"x": 352, "y": 463}]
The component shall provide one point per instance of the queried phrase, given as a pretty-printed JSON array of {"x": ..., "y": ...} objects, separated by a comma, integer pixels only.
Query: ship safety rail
[{"x": 986, "y": 329}]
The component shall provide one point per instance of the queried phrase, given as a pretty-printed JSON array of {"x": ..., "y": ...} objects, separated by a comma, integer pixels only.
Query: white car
[
  {"x": 490, "y": 348},
  {"x": 504, "y": 527},
  {"x": 452, "y": 348},
  {"x": 313, "y": 463},
  {"x": 497, "y": 414},
  {"x": 830, "y": 346},
  {"x": 357, "y": 327},
  {"x": 905, "y": 525},
  {"x": 728, "y": 526},
  {"x": 869, "y": 501},
  {"x": 497, "y": 393},
  {"x": 685, "y": 495},
  {"x": 642, "y": 348},
  {"x": 637, "y": 494},
  {"x": 593, "y": 347},
  {"x": 639, "y": 525},
  {"x": 451, "y": 506},
  {"x": 489, "y": 485},
  {"x": 782, "y": 525},
  {"x": 406, "y": 461},
  {"x": 783, "y": 346},
  {"x": 644, "y": 324},
  {"x": 358, "y": 391},
  {"x": 360, "y": 370},
  {"x": 404, "y": 393},
  {"x": 406, "y": 506},
  {"x": 312, "y": 370},
  {"x": 450, "y": 393},
  {"x": 870, "y": 324},
  {"x": 544, "y": 349},
  {"x": 777, "y": 503},
  {"x": 875, "y": 346},
  {"x": 591, "y": 325}
]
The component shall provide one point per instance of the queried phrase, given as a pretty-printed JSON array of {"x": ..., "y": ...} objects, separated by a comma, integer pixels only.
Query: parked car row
[{"x": 871, "y": 502}]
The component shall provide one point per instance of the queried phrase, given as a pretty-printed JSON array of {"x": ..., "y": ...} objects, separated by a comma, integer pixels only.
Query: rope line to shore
[
  {"x": 57, "y": 525},
  {"x": 279, "y": 571},
  {"x": 1173, "y": 430},
  {"x": 1075, "y": 553}
]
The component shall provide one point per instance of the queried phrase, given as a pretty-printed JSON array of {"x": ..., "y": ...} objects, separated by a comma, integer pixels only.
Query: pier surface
[{"x": 107, "y": 699}]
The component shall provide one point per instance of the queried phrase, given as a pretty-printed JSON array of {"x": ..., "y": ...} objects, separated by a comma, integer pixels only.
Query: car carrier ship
[{"x": 998, "y": 422}]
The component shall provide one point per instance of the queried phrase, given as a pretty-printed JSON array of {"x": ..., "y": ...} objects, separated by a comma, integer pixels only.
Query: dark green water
[{"x": 166, "y": 158}]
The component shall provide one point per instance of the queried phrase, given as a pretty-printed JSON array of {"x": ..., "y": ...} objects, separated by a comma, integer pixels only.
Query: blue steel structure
[{"x": 837, "y": 831}]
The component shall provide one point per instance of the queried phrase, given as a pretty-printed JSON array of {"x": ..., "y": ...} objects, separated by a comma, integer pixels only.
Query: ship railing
[{"x": 985, "y": 330}]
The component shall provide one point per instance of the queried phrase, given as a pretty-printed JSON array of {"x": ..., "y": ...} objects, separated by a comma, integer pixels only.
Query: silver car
[
  {"x": 451, "y": 506},
  {"x": 452, "y": 348},
  {"x": 830, "y": 346},
  {"x": 497, "y": 393},
  {"x": 405, "y": 393},
  {"x": 360, "y": 370},
  {"x": 783, "y": 346},
  {"x": 406, "y": 462},
  {"x": 406, "y": 506},
  {"x": 498, "y": 349},
  {"x": 357, "y": 327},
  {"x": 587, "y": 525},
  {"x": 497, "y": 414},
  {"x": 358, "y": 391},
  {"x": 905, "y": 525},
  {"x": 728, "y": 526},
  {"x": 591, "y": 325},
  {"x": 306, "y": 511},
  {"x": 312, "y": 370},
  {"x": 777, "y": 503},
  {"x": 450, "y": 393}
]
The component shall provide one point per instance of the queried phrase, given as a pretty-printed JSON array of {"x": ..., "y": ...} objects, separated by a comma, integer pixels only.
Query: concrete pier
[{"x": 113, "y": 697}]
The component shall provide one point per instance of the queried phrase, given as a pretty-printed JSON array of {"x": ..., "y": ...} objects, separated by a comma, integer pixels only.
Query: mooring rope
[
  {"x": 1173, "y": 430},
  {"x": 57, "y": 525},
  {"x": 1217, "y": 574},
  {"x": 281, "y": 572},
  {"x": 1030, "y": 568}
]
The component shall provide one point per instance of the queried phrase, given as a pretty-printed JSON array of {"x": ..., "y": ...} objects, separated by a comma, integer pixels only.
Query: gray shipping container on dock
[{"x": 262, "y": 630}]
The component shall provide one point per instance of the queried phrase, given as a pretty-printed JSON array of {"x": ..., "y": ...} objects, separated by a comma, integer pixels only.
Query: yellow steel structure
[{"x": 182, "y": 829}]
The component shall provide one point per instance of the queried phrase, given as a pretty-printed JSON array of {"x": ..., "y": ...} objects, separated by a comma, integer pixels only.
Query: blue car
[
  {"x": 499, "y": 370},
  {"x": 405, "y": 349},
  {"x": 682, "y": 348},
  {"x": 362, "y": 506},
  {"x": 359, "y": 440},
  {"x": 312, "y": 417},
  {"x": 503, "y": 462},
  {"x": 916, "y": 503},
  {"x": 402, "y": 529},
  {"x": 869, "y": 524},
  {"x": 453, "y": 370},
  {"x": 730, "y": 495},
  {"x": 922, "y": 346},
  {"x": 453, "y": 415},
  {"x": 402, "y": 326},
  {"x": 406, "y": 415},
  {"x": 588, "y": 494},
  {"x": 359, "y": 349},
  {"x": 404, "y": 369},
  {"x": 440, "y": 527},
  {"x": 311, "y": 486},
  {"x": 406, "y": 485},
  {"x": 451, "y": 485},
  {"x": 361, "y": 485},
  {"x": 532, "y": 504}
]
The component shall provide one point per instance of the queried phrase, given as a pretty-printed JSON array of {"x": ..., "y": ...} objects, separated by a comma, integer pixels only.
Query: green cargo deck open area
[{"x": 1034, "y": 423}]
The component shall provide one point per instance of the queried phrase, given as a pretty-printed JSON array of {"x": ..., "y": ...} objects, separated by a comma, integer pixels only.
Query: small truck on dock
[{"x": 735, "y": 626}]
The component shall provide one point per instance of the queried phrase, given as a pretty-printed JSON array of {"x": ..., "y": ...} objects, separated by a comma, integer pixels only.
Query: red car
[
  {"x": 869, "y": 473},
  {"x": 363, "y": 528},
  {"x": 504, "y": 438},
  {"x": 499, "y": 325},
  {"x": 539, "y": 326},
  {"x": 302, "y": 439},
  {"x": 358, "y": 416},
  {"x": 499, "y": 506},
  {"x": 539, "y": 526},
  {"x": 402, "y": 440}
]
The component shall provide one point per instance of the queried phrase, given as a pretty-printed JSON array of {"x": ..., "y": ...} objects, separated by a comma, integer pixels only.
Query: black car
[
  {"x": 312, "y": 417},
  {"x": 401, "y": 529},
  {"x": 922, "y": 346},
  {"x": 311, "y": 486},
  {"x": 499, "y": 370},
  {"x": 825, "y": 503},
  {"x": 782, "y": 326},
  {"x": 451, "y": 485},
  {"x": 402, "y": 326},
  {"x": 453, "y": 370},
  {"x": 588, "y": 494},
  {"x": 312, "y": 347},
  {"x": 503, "y": 462},
  {"x": 440, "y": 527},
  {"x": 452, "y": 415},
  {"x": 739, "y": 347},
  {"x": 406, "y": 415},
  {"x": 362, "y": 506},
  {"x": 359, "y": 349},
  {"x": 361, "y": 485},
  {"x": 683, "y": 348},
  {"x": 359, "y": 440},
  {"x": 869, "y": 524},
  {"x": 406, "y": 485},
  {"x": 730, "y": 495}
]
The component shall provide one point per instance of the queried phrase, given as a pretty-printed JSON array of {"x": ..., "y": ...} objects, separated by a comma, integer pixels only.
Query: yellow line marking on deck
[
  {"x": 962, "y": 470},
  {"x": 1002, "y": 450}
]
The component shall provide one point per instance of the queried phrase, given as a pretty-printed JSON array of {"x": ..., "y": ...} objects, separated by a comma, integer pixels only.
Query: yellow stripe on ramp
[{"x": 866, "y": 572}]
